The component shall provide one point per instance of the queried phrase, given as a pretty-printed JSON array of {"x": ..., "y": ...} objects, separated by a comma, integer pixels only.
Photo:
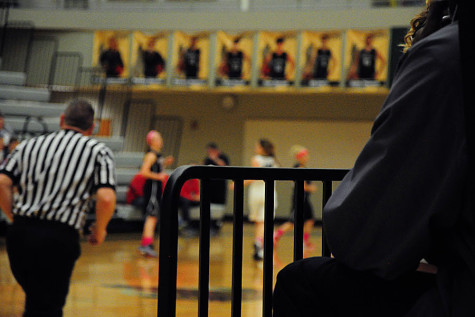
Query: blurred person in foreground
[{"x": 401, "y": 225}]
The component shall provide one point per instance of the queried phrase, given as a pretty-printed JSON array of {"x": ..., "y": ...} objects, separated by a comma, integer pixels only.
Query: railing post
[
  {"x": 168, "y": 251},
  {"x": 205, "y": 221},
  {"x": 268, "y": 248},
  {"x": 327, "y": 192},
  {"x": 238, "y": 210},
  {"x": 298, "y": 219}
]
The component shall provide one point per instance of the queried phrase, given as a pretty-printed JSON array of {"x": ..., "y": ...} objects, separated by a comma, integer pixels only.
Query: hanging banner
[
  {"x": 149, "y": 56},
  {"x": 111, "y": 54},
  {"x": 233, "y": 57},
  {"x": 190, "y": 59},
  {"x": 320, "y": 58},
  {"x": 276, "y": 58},
  {"x": 366, "y": 57}
]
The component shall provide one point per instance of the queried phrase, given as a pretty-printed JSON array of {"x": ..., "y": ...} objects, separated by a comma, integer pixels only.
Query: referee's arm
[
  {"x": 6, "y": 195},
  {"x": 105, "y": 195},
  {"x": 105, "y": 207}
]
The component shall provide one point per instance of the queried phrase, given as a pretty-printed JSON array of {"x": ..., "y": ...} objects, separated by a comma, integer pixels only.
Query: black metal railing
[{"x": 169, "y": 228}]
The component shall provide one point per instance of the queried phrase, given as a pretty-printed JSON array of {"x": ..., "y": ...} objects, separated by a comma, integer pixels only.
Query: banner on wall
[
  {"x": 320, "y": 60},
  {"x": 233, "y": 57},
  {"x": 149, "y": 56},
  {"x": 276, "y": 58},
  {"x": 366, "y": 58},
  {"x": 111, "y": 53},
  {"x": 190, "y": 59}
]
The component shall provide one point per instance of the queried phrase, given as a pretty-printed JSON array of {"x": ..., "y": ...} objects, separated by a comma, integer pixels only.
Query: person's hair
[
  {"x": 297, "y": 148},
  {"x": 80, "y": 114},
  {"x": 416, "y": 24},
  {"x": 236, "y": 40},
  {"x": 268, "y": 147},
  {"x": 149, "y": 136},
  {"x": 280, "y": 40},
  {"x": 433, "y": 17},
  {"x": 212, "y": 145}
]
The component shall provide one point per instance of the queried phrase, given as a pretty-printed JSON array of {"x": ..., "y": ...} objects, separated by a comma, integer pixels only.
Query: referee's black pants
[
  {"x": 323, "y": 287},
  {"x": 42, "y": 255}
]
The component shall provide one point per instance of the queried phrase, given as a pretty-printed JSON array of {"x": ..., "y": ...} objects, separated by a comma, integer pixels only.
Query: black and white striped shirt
[{"x": 57, "y": 174}]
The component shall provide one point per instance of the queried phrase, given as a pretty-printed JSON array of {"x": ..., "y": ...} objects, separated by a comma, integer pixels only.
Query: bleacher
[{"x": 29, "y": 112}]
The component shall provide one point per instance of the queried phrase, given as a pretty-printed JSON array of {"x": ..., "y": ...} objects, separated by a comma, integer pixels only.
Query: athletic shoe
[
  {"x": 148, "y": 250},
  {"x": 258, "y": 252}
]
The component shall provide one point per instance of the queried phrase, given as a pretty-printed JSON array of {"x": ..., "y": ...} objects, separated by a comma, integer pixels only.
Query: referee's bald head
[{"x": 79, "y": 114}]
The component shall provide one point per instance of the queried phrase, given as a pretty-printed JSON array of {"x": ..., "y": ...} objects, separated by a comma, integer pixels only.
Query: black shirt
[
  {"x": 234, "y": 63},
  {"x": 218, "y": 188},
  {"x": 367, "y": 64},
  {"x": 321, "y": 64},
  {"x": 192, "y": 63},
  {"x": 153, "y": 63},
  {"x": 277, "y": 65},
  {"x": 111, "y": 61},
  {"x": 409, "y": 195}
]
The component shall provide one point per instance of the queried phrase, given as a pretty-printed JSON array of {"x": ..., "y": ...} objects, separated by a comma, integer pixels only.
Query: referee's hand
[{"x": 97, "y": 236}]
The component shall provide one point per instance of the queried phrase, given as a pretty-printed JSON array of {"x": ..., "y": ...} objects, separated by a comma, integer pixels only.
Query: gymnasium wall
[
  {"x": 213, "y": 21},
  {"x": 331, "y": 144},
  {"x": 334, "y": 115}
]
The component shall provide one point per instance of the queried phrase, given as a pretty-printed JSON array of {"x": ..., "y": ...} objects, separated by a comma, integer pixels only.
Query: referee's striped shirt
[{"x": 57, "y": 174}]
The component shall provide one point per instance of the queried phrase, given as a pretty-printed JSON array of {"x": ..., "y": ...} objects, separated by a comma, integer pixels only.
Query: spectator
[
  {"x": 409, "y": 197},
  {"x": 218, "y": 188},
  {"x": 6, "y": 132}
]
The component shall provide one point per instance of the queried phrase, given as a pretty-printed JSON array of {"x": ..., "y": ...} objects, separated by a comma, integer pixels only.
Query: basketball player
[
  {"x": 152, "y": 60},
  {"x": 301, "y": 156},
  {"x": 190, "y": 60},
  {"x": 111, "y": 60},
  {"x": 152, "y": 169},
  {"x": 277, "y": 62},
  {"x": 265, "y": 157},
  {"x": 233, "y": 62},
  {"x": 324, "y": 61},
  {"x": 364, "y": 65}
]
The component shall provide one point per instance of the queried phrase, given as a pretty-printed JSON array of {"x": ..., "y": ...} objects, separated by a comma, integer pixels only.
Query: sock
[
  {"x": 278, "y": 233},
  {"x": 259, "y": 242},
  {"x": 306, "y": 236},
  {"x": 146, "y": 241}
]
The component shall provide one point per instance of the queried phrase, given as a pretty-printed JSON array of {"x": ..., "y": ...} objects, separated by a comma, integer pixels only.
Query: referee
[{"x": 55, "y": 175}]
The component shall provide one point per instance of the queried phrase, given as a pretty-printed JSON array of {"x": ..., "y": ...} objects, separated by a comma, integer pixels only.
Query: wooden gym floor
[{"x": 114, "y": 280}]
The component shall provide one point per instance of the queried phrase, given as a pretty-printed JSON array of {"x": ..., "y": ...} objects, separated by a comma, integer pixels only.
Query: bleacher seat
[
  {"x": 24, "y": 93},
  {"x": 31, "y": 108},
  {"x": 129, "y": 159},
  {"x": 34, "y": 126},
  {"x": 12, "y": 78},
  {"x": 115, "y": 143}
]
